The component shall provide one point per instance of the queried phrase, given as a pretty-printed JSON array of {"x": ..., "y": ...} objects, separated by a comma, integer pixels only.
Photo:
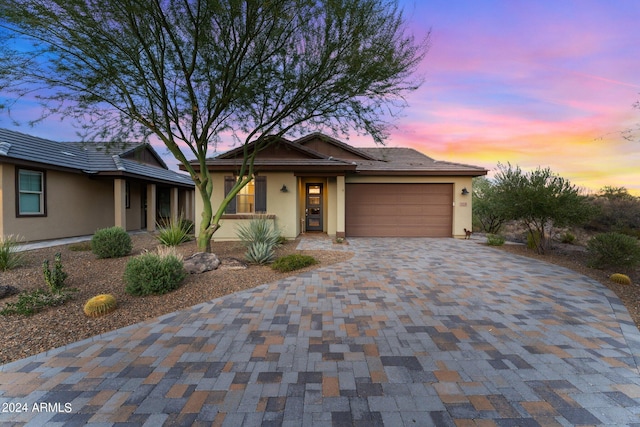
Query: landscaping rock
[
  {"x": 8, "y": 290},
  {"x": 232, "y": 264},
  {"x": 201, "y": 262}
]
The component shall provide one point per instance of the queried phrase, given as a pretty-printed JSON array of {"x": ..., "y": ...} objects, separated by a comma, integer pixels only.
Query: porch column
[
  {"x": 120, "y": 203},
  {"x": 151, "y": 207},
  {"x": 173, "y": 203},
  {"x": 189, "y": 201},
  {"x": 340, "y": 206}
]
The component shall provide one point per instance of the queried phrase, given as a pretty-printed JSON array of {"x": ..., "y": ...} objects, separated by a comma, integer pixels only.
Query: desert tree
[
  {"x": 615, "y": 210},
  {"x": 486, "y": 212},
  {"x": 540, "y": 199},
  {"x": 188, "y": 72}
]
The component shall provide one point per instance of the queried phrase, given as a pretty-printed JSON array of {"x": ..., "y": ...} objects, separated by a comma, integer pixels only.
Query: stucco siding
[
  {"x": 281, "y": 204},
  {"x": 134, "y": 211},
  {"x": 75, "y": 206}
]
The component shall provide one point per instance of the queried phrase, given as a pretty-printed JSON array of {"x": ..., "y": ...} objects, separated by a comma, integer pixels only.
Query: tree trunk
[{"x": 206, "y": 230}]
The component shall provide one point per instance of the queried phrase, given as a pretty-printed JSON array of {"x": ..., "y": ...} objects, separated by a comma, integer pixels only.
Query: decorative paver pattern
[{"x": 413, "y": 332}]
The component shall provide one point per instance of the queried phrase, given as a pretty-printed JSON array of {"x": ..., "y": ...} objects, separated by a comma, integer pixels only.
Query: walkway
[{"x": 412, "y": 332}]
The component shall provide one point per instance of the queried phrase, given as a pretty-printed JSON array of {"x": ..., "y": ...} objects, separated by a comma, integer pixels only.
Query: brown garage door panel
[{"x": 399, "y": 210}]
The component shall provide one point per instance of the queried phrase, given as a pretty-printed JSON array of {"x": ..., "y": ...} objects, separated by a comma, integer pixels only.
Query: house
[
  {"x": 52, "y": 190},
  {"x": 320, "y": 184}
]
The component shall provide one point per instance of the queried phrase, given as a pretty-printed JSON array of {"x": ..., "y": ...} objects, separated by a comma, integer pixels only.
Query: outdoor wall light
[
  {"x": 465, "y": 191},
  {"x": 284, "y": 189}
]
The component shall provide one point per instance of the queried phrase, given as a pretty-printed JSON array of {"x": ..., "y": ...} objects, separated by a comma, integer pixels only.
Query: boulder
[
  {"x": 8, "y": 290},
  {"x": 232, "y": 264},
  {"x": 201, "y": 262}
]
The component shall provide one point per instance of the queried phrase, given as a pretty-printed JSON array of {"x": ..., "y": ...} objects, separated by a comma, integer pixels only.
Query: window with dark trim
[
  {"x": 252, "y": 198},
  {"x": 30, "y": 193}
]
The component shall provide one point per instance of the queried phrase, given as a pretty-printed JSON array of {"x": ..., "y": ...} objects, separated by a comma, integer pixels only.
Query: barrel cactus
[
  {"x": 621, "y": 279},
  {"x": 100, "y": 305}
]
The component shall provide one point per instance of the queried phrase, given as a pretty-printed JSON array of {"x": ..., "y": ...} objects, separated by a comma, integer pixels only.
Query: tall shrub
[{"x": 613, "y": 250}]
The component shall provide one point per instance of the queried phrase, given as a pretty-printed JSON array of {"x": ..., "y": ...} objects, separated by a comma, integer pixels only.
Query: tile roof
[
  {"x": 357, "y": 151},
  {"x": 87, "y": 158},
  {"x": 367, "y": 161},
  {"x": 399, "y": 159}
]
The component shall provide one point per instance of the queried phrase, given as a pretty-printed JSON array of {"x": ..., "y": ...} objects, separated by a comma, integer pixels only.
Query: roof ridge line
[
  {"x": 4, "y": 148},
  {"x": 118, "y": 162}
]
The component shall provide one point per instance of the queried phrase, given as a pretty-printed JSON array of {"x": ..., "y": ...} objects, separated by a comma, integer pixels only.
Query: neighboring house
[
  {"x": 320, "y": 184},
  {"x": 54, "y": 189}
]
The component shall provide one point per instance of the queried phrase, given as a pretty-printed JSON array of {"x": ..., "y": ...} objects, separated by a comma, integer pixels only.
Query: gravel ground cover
[{"x": 23, "y": 336}]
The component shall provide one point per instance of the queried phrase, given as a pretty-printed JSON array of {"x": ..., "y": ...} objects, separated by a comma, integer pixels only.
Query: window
[
  {"x": 246, "y": 198},
  {"x": 30, "y": 186},
  {"x": 252, "y": 198}
]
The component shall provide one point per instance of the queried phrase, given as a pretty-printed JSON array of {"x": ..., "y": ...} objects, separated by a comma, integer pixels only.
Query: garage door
[{"x": 399, "y": 210}]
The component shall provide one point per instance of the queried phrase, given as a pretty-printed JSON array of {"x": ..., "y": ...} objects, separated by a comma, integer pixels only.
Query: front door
[{"x": 314, "y": 207}]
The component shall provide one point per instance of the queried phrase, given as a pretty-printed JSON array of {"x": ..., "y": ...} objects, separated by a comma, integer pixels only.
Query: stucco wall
[
  {"x": 76, "y": 206},
  {"x": 134, "y": 211},
  {"x": 289, "y": 207},
  {"x": 282, "y": 205},
  {"x": 462, "y": 215}
]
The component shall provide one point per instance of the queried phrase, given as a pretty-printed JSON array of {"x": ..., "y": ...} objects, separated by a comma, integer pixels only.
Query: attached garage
[
  {"x": 398, "y": 210},
  {"x": 318, "y": 184}
]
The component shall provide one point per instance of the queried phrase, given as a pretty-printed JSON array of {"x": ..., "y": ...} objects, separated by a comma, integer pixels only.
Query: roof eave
[
  {"x": 422, "y": 172},
  {"x": 286, "y": 168},
  {"x": 38, "y": 165},
  {"x": 124, "y": 174}
]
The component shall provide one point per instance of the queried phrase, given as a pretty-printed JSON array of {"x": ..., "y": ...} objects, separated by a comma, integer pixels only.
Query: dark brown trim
[
  {"x": 318, "y": 174},
  {"x": 420, "y": 173},
  {"x": 26, "y": 164},
  {"x": 248, "y": 216},
  {"x": 17, "y": 192},
  {"x": 139, "y": 178}
]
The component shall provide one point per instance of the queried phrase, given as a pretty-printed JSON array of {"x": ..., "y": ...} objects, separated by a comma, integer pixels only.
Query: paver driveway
[{"x": 408, "y": 332}]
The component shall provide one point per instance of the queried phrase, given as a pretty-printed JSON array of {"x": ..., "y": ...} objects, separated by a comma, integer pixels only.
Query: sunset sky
[{"x": 534, "y": 83}]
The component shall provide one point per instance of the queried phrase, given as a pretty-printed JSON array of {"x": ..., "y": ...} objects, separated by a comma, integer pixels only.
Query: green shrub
[
  {"x": 613, "y": 250},
  {"x": 154, "y": 273},
  {"x": 293, "y": 262},
  {"x": 54, "y": 278},
  {"x": 260, "y": 238},
  {"x": 633, "y": 232},
  {"x": 495, "y": 240},
  {"x": 32, "y": 302},
  {"x": 173, "y": 232},
  {"x": 9, "y": 256},
  {"x": 112, "y": 242},
  {"x": 567, "y": 237}
]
